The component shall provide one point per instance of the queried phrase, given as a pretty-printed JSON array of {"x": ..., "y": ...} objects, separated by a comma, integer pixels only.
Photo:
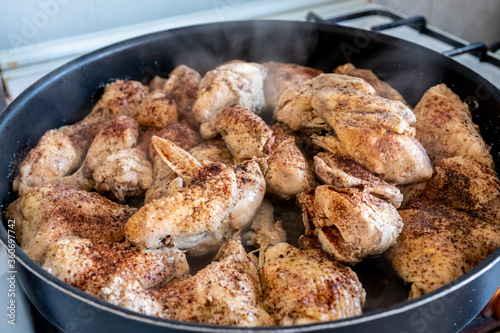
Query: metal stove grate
[{"x": 419, "y": 23}]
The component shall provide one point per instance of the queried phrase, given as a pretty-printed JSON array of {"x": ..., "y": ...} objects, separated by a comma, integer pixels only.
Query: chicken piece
[
  {"x": 411, "y": 191},
  {"x": 381, "y": 88},
  {"x": 439, "y": 243},
  {"x": 120, "y": 98},
  {"x": 264, "y": 232},
  {"x": 342, "y": 172},
  {"x": 182, "y": 85},
  {"x": 294, "y": 106},
  {"x": 251, "y": 191},
  {"x": 234, "y": 83},
  {"x": 226, "y": 292},
  {"x": 126, "y": 173},
  {"x": 213, "y": 150},
  {"x": 445, "y": 127},
  {"x": 350, "y": 224},
  {"x": 90, "y": 266},
  {"x": 376, "y": 133},
  {"x": 157, "y": 109},
  {"x": 53, "y": 158},
  {"x": 288, "y": 171},
  {"x": 194, "y": 217},
  {"x": 181, "y": 135},
  {"x": 47, "y": 213},
  {"x": 119, "y": 133},
  {"x": 463, "y": 183},
  {"x": 281, "y": 76},
  {"x": 245, "y": 134},
  {"x": 306, "y": 286}
]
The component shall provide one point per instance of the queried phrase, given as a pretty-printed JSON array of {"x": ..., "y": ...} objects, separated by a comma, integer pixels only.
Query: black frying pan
[{"x": 67, "y": 94}]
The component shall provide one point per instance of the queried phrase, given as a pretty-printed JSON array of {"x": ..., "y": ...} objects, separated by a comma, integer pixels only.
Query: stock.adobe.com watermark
[
  {"x": 32, "y": 24},
  {"x": 11, "y": 272}
]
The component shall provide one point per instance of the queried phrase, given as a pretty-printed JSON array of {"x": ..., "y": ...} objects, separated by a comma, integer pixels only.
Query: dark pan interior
[{"x": 67, "y": 95}]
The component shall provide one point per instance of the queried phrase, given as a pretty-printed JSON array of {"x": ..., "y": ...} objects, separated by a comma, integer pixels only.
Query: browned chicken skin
[
  {"x": 47, "y": 213},
  {"x": 192, "y": 218},
  {"x": 91, "y": 266},
  {"x": 306, "y": 286},
  {"x": 281, "y": 76},
  {"x": 226, "y": 292},
  {"x": 381, "y": 88},
  {"x": 182, "y": 85},
  {"x": 440, "y": 243},
  {"x": 445, "y": 127},
  {"x": 245, "y": 134}
]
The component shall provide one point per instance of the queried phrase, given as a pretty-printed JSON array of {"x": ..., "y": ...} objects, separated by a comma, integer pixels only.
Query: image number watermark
[{"x": 11, "y": 273}]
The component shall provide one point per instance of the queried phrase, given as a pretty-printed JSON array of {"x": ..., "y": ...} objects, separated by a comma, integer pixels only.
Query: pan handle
[{"x": 492, "y": 309}]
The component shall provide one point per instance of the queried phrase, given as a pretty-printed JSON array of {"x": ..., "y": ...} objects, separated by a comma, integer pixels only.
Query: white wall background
[{"x": 26, "y": 22}]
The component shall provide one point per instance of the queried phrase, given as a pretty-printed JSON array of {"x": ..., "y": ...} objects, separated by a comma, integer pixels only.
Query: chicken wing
[
  {"x": 181, "y": 135},
  {"x": 119, "y": 133},
  {"x": 251, "y": 190},
  {"x": 245, "y": 134},
  {"x": 263, "y": 231},
  {"x": 120, "y": 98},
  {"x": 53, "y": 158},
  {"x": 47, "y": 213},
  {"x": 445, "y": 127},
  {"x": 182, "y": 85},
  {"x": 439, "y": 243},
  {"x": 194, "y": 217},
  {"x": 233, "y": 83},
  {"x": 226, "y": 292},
  {"x": 381, "y": 88},
  {"x": 214, "y": 150},
  {"x": 90, "y": 266},
  {"x": 287, "y": 169},
  {"x": 281, "y": 76},
  {"x": 306, "y": 286},
  {"x": 350, "y": 224}
]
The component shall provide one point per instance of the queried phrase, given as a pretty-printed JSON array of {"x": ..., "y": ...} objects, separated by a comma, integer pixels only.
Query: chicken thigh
[
  {"x": 350, "y": 224},
  {"x": 306, "y": 286},
  {"x": 440, "y": 243},
  {"x": 445, "y": 127},
  {"x": 375, "y": 132}
]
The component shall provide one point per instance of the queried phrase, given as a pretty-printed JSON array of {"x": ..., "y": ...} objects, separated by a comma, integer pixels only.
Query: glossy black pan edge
[{"x": 62, "y": 97}]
